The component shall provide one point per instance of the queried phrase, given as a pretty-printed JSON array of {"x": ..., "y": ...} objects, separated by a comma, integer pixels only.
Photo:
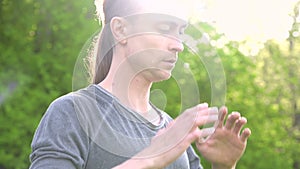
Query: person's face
[{"x": 153, "y": 44}]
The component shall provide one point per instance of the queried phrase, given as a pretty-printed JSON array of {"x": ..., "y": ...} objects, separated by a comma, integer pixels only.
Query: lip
[
  {"x": 169, "y": 63},
  {"x": 172, "y": 61}
]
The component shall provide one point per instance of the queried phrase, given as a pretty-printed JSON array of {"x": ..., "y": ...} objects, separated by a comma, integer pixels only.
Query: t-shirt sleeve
[
  {"x": 59, "y": 141},
  {"x": 194, "y": 160}
]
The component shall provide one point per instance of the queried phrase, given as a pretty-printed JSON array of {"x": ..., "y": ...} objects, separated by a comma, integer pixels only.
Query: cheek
[
  {"x": 143, "y": 59},
  {"x": 145, "y": 42},
  {"x": 147, "y": 60},
  {"x": 146, "y": 51},
  {"x": 158, "y": 42}
]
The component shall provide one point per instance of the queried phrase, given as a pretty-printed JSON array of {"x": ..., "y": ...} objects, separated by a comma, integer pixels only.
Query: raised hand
[
  {"x": 172, "y": 141},
  {"x": 226, "y": 146}
]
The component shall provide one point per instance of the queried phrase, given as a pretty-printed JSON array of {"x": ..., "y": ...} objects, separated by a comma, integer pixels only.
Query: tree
[
  {"x": 37, "y": 45},
  {"x": 278, "y": 65}
]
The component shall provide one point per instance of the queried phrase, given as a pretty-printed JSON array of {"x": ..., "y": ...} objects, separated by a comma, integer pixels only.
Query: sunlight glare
[{"x": 251, "y": 19}]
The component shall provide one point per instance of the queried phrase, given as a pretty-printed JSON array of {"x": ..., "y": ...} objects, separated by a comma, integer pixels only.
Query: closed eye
[
  {"x": 182, "y": 29},
  {"x": 171, "y": 28},
  {"x": 164, "y": 28}
]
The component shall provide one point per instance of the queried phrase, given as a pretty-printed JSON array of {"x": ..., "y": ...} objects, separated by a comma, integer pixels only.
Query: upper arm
[{"x": 59, "y": 141}]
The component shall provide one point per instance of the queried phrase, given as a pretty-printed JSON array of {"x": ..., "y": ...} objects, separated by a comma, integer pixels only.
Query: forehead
[
  {"x": 152, "y": 18},
  {"x": 173, "y": 8},
  {"x": 161, "y": 24}
]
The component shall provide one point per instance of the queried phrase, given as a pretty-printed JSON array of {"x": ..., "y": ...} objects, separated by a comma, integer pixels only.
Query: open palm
[{"x": 226, "y": 146}]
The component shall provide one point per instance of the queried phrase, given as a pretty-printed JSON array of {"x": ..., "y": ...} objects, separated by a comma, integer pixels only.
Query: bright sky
[
  {"x": 256, "y": 20},
  {"x": 251, "y": 21}
]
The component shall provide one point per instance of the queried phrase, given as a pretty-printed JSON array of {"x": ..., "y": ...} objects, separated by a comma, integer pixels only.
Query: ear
[{"x": 118, "y": 28}]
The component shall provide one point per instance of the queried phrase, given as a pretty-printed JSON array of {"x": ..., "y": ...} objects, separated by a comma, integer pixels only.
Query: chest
[{"x": 118, "y": 138}]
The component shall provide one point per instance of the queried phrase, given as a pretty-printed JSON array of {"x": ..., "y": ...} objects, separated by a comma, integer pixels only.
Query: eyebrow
[
  {"x": 182, "y": 24},
  {"x": 185, "y": 25}
]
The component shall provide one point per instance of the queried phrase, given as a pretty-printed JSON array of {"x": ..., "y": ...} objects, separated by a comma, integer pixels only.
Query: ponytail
[{"x": 103, "y": 53}]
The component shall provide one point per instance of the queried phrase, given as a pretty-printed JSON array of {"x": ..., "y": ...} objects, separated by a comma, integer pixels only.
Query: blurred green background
[{"x": 40, "y": 42}]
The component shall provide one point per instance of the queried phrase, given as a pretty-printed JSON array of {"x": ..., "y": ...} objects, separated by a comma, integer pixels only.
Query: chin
[{"x": 162, "y": 76}]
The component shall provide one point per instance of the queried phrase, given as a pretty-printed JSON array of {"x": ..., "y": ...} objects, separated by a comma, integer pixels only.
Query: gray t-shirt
[{"x": 91, "y": 129}]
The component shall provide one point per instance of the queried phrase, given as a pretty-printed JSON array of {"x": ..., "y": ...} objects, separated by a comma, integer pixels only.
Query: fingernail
[
  {"x": 203, "y": 105},
  {"x": 223, "y": 108},
  {"x": 235, "y": 112}
]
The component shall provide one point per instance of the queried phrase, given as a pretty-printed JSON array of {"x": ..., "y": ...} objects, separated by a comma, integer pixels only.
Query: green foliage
[{"x": 39, "y": 43}]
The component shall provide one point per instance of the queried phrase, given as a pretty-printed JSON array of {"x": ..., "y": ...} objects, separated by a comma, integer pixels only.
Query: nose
[{"x": 175, "y": 45}]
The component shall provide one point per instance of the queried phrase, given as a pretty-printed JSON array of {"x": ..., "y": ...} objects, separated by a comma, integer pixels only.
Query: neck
[{"x": 130, "y": 88}]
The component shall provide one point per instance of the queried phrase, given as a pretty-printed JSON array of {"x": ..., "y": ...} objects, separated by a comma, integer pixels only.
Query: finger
[
  {"x": 202, "y": 106},
  {"x": 213, "y": 115},
  {"x": 206, "y": 119},
  {"x": 206, "y": 132},
  {"x": 210, "y": 111},
  {"x": 198, "y": 116},
  {"x": 239, "y": 124},
  {"x": 245, "y": 135},
  {"x": 190, "y": 115},
  {"x": 222, "y": 114},
  {"x": 231, "y": 120},
  {"x": 207, "y": 116},
  {"x": 197, "y": 108}
]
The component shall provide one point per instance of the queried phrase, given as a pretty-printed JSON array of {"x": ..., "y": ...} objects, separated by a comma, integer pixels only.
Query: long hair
[{"x": 101, "y": 54}]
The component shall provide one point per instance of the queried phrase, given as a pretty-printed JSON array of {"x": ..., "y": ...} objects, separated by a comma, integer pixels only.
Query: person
[{"x": 112, "y": 124}]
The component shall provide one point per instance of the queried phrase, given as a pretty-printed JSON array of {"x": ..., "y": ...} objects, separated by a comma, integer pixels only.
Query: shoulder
[
  {"x": 83, "y": 109},
  {"x": 79, "y": 95},
  {"x": 67, "y": 109},
  {"x": 84, "y": 97},
  {"x": 64, "y": 115}
]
